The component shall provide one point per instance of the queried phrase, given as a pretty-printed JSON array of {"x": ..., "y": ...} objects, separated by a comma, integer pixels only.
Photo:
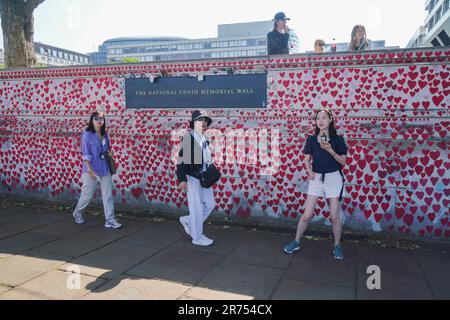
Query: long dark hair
[
  {"x": 91, "y": 127},
  {"x": 332, "y": 129},
  {"x": 364, "y": 43},
  {"x": 275, "y": 26}
]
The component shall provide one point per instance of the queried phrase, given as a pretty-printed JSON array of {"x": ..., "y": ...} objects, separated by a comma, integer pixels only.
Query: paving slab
[
  {"x": 22, "y": 268},
  {"x": 22, "y": 242},
  {"x": 432, "y": 266},
  {"x": 177, "y": 265},
  {"x": 391, "y": 261},
  {"x": 110, "y": 261},
  {"x": 67, "y": 227},
  {"x": 262, "y": 249},
  {"x": 331, "y": 272},
  {"x": 54, "y": 285},
  {"x": 135, "y": 288},
  {"x": 224, "y": 244},
  {"x": 4, "y": 289},
  {"x": 154, "y": 235},
  {"x": 290, "y": 289},
  {"x": 394, "y": 288},
  {"x": 237, "y": 280},
  {"x": 85, "y": 241}
]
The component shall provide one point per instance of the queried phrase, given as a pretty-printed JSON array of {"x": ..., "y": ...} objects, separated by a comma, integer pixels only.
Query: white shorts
[{"x": 330, "y": 189}]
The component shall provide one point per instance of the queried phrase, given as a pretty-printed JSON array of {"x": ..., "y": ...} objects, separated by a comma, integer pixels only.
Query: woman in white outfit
[{"x": 194, "y": 158}]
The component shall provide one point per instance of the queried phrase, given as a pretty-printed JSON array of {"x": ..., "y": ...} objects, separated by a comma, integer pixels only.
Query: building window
[
  {"x": 446, "y": 6},
  {"x": 66, "y": 56},
  {"x": 262, "y": 42},
  {"x": 71, "y": 57},
  {"x": 438, "y": 15},
  {"x": 431, "y": 24},
  {"x": 243, "y": 43},
  {"x": 431, "y": 5}
]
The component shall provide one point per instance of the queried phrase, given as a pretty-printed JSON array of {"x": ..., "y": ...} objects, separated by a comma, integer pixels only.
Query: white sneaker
[
  {"x": 78, "y": 218},
  {"x": 185, "y": 223},
  {"x": 203, "y": 241},
  {"x": 205, "y": 238},
  {"x": 113, "y": 224}
]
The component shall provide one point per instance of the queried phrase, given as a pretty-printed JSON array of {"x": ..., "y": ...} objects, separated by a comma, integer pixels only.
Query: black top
[
  {"x": 323, "y": 161},
  {"x": 277, "y": 43},
  {"x": 190, "y": 161}
]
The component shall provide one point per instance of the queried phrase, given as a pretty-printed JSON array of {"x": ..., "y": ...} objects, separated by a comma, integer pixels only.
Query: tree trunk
[{"x": 18, "y": 29}]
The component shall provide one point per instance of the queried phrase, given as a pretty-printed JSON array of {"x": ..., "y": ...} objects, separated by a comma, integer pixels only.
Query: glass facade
[{"x": 235, "y": 40}]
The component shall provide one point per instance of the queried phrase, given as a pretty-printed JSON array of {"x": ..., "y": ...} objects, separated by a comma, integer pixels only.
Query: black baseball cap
[{"x": 280, "y": 16}]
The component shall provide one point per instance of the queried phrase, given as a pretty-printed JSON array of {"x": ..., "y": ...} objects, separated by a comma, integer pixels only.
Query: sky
[{"x": 82, "y": 25}]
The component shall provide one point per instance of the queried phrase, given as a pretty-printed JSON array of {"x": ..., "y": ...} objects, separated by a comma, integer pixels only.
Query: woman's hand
[
  {"x": 183, "y": 186},
  {"x": 327, "y": 147},
  {"x": 92, "y": 175},
  {"x": 312, "y": 176}
]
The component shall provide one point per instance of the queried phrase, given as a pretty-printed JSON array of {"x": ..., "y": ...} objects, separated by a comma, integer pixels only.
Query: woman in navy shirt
[
  {"x": 328, "y": 152},
  {"x": 94, "y": 146}
]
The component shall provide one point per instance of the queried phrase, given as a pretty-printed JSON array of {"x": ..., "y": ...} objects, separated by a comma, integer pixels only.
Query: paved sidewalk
[{"x": 154, "y": 259}]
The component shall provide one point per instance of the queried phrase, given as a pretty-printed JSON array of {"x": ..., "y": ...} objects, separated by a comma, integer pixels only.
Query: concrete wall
[{"x": 392, "y": 107}]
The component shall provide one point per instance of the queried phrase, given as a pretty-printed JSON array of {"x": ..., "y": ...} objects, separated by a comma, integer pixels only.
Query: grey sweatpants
[{"x": 88, "y": 190}]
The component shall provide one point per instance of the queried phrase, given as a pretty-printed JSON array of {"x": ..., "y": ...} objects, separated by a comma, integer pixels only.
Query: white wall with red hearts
[{"x": 392, "y": 108}]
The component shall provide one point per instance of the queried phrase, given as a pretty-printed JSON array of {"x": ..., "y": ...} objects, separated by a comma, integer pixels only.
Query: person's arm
[
  {"x": 308, "y": 152},
  {"x": 181, "y": 170},
  {"x": 341, "y": 159},
  {"x": 311, "y": 174},
  {"x": 341, "y": 150},
  {"x": 87, "y": 155},
  {"x": 108, "y": 145},
  {"x": 272, "y": 46}
]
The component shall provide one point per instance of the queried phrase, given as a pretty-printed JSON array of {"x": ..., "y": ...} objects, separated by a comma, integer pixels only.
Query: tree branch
[{"x": 30, "y": 5}]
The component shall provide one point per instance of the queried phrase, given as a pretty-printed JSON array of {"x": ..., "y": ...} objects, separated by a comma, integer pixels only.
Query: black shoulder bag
[{"x": 210, "y": 177}]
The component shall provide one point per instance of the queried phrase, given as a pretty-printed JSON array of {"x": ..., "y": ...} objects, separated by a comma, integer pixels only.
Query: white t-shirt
[{"x": 207, "y": 157}]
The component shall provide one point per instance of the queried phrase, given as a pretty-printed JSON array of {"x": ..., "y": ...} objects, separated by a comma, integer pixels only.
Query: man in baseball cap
[{"x": 280, "y": 16}]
